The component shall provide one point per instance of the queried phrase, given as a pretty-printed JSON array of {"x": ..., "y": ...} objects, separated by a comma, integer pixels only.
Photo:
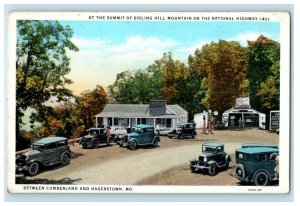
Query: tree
[
  {"x": 223, "y": 66},
  {"x": 172, "y": 71},
  {"x": 264, "y": 74},
  {"x": 91, "y": 103},
  {"x": 41, "y": 66},
  {"x": 138, "y": 87}
]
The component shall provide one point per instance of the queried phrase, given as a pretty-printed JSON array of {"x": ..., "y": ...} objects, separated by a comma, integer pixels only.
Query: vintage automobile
[
  {"x": 258, "y": 165},
  {"x": 140, "y": 134},
  {"x": 117, "y": 131},
  {"x": 212, "y": 158},
  {"x": 184, "y": 130},
  {"x": 44, "y": 152},
  {"x": 95, "y": 137}
]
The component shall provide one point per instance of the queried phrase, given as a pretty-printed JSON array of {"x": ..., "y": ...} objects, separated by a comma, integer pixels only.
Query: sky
[{"x": 107, "y": 48}]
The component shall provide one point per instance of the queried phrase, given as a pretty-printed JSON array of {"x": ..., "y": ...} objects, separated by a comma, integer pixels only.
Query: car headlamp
[{"x": 204, "y": 159}]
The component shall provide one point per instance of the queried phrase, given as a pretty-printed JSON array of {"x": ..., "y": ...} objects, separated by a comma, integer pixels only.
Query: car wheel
[
  {"x": 84, "y": 146},
  {"x": 228, "y": 162},
  {"x": 95, "y": 144},
  {"x": 239, "y": 171},
  {"x": 155, "y": 142},
  {"x": 192, "y": 169},
  {"x": 64, "y": 159},
  {"x": 193, "y": 135},
  {"x": 132, "y": 145},
  {"x": 33, "y": 168},
  {"x": 212, "y": 170},
  {"x": 261, "y": 179}
]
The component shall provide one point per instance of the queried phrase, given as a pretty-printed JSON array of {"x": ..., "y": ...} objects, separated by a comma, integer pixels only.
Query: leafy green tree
[
  {"x": 223, "y": 66},
  {"x": 172, "y": 71},
  {"x": 264, "y": 74},
  {"x": 138, "y": 87},
  {"x": 41, "y": 65}
]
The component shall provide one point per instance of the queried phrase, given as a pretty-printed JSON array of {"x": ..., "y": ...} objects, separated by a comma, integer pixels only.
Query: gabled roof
[{"x": 139, "y": 111}]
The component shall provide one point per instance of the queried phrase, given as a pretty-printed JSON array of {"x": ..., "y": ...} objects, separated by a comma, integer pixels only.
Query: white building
[
  {"x": 126, "y": 115},
  {"x": 248, "y": 117}
]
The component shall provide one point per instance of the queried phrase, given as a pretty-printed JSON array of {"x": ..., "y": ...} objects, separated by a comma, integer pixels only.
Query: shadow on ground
[{"x": 63, "y": 181}]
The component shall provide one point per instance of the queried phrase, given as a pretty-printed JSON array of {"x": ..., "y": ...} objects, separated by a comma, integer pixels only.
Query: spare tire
[{"x": 240, "y": 171}]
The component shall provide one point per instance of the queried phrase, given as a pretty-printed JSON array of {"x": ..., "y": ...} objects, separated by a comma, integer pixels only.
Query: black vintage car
[
  {"x": 184, "y": 130},
  {"x": 44, "y": 152},
  {"x": 95, "y": 137},
  {"x": 257, "y": 164},
  {"x": 212, "y": 158}
]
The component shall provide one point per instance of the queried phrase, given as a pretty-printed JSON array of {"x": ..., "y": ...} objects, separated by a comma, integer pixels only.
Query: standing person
[
  {"x": 108, "y": 132},
  {"x": 157, "y": 128},
  {"x": 240, "y": 122},
  {"x": 204, "y": 124}
]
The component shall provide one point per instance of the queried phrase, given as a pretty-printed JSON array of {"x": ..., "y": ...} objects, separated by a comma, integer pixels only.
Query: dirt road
[{"x": 114, "y": 165}]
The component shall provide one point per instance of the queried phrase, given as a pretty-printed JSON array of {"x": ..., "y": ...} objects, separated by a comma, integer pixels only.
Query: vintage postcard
[{"x": 148, "y": 102}]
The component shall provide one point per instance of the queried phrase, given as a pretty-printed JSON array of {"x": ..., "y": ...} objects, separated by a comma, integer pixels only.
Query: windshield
[
  {"x": 209, "y": 149},
  {"x": 136, "y": 129},
  {"x": 93, "y": 132},
  {"x": 38, "y": 147}
]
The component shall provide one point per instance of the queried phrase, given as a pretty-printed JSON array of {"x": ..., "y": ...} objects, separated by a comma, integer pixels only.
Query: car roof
[
  {"x": 48, "y": 140},
  {"x": 254, "y": 150},
  {"x": 213, "y": 144},
  {"x": 246, "y": 145},
  {"x": 94, "y": 128},
  {"x": 142, "y": 126}
]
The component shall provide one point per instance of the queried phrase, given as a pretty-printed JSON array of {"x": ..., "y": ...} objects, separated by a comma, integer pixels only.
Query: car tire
[
  {"x": 95, "y": 144},
  {"x": 240, "y": 171},
  {"x": 192, "y": 169},
  {"x": 228, "y": 163},
  {"x": 132, "y": 145},
  {"x": 193, "y": 135},
  {"x": 261, "y": 179},
  {"x": 155, "y": 142},
  {"x": 84, "y": 146},
  {"x": 64, "y": 159},
  {"x": 33, "y": 168},
  {"x": 212, "y": 169}
]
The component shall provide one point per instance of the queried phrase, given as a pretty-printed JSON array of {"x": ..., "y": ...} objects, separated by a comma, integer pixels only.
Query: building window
[
  {"x": 116, "y": 122},
  {"x": 168, "y": 122},
  {"x": 109, "y": 121},
  {"x": 141, "y": 120}
]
